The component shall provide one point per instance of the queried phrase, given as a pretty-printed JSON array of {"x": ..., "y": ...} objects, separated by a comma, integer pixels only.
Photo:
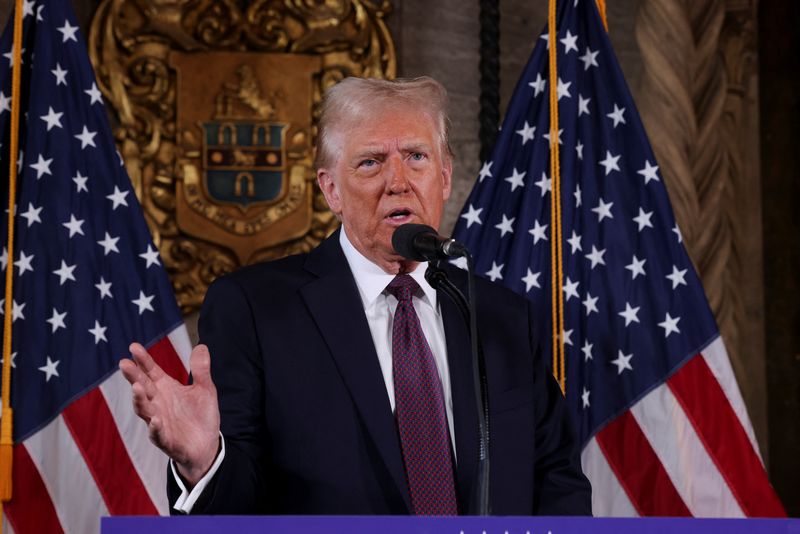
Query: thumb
[{"x": 200, "y": 366}]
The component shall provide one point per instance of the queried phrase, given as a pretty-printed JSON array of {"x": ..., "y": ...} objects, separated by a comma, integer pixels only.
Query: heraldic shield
[
  {"x": 244, "y": 161},
  {"x": 244, "y": 129}
]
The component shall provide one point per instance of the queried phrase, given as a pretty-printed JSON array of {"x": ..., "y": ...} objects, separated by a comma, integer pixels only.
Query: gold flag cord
[
  {"x": 6, "y": 440},
  {"x": 601, "y": 7},
  {"x": 556, "y": 245},
  {"x": 557, "y": 275}
]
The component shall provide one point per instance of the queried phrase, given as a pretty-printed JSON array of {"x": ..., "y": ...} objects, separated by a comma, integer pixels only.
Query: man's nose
[{"x": 396, "y": 177}]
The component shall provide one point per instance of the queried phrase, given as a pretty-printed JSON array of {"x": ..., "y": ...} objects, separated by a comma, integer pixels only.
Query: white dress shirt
[{"x": 379, "y": 308}]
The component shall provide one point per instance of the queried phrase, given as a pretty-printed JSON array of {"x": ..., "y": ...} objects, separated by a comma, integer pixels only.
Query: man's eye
[
  {"x": 368, "y": 163},
  {"x": 417, "y": 156}
]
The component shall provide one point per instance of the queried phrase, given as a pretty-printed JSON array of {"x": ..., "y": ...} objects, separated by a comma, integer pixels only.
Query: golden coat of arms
[
  {"x": 246, "y": 139},
  {"x": 216, "y": 104}
]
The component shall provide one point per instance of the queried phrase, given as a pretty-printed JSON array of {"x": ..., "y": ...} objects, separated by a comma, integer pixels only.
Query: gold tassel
[{"x": 6, "y": 459}]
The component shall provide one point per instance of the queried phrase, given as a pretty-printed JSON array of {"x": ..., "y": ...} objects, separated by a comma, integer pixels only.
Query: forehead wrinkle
[
  {"x": 372, "y": 149},
  {"x": 361, "y": 121}
]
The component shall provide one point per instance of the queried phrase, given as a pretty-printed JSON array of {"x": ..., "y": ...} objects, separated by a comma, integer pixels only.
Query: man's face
[{"x": 389, "y": 170}]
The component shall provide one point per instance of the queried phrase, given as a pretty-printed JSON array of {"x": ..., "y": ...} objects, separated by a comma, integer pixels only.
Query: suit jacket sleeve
[
  {"x": 227, "y": 326},
  {"x": 561, "y": 487}
]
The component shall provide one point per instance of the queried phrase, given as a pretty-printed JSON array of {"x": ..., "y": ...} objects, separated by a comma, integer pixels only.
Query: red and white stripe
[
  {"x": 686, "y": 449},
  {"x": 94, "y": 459}
]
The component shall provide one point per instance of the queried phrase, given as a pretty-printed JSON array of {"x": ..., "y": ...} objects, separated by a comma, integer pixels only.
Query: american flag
[
  {"x": 88, "y": 280},
  {"x": 658, "y": 411}
]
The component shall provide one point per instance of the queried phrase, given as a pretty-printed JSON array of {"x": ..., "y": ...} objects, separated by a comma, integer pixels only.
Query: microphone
[{"x": 420, "y": 242}]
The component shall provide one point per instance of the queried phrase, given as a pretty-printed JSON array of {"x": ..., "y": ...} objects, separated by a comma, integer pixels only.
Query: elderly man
[{"x": 339, "y": 381}]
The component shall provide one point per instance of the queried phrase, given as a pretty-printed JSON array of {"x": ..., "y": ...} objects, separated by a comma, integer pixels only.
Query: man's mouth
[{"x": 399, "y": 215}]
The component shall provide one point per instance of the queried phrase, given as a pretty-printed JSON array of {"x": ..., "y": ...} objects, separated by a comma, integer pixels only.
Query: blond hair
[{"x": 352, "y": 99}]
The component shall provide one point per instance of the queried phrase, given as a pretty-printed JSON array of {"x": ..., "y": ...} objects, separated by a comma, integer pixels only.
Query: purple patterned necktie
[{"x": 420, "y": 413}]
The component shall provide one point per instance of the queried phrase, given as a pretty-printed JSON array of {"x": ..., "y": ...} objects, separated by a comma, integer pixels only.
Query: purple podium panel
[{"x": 443, "y": 525}]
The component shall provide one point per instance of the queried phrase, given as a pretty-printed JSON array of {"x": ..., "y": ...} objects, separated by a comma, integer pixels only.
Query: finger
[
  {"x": 145, "y": 361},
  {"x": 141, "y": 404},
  {"x": 129, "y": 370},
  {"x": 134, "y": 375},
  {"x": 200, "y": 365}
]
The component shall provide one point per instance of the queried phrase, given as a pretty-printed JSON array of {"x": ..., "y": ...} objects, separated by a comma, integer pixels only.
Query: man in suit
[{"x": 339, "y": 381}]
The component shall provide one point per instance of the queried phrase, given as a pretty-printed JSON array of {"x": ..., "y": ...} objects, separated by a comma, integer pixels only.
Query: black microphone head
[{"x": 403, "y": 240}]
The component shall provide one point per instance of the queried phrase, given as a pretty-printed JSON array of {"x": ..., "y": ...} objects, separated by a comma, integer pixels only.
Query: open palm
[{"x": 183, "y": 420}]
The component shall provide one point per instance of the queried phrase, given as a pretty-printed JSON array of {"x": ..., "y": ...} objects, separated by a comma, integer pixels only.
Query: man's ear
[
  {"x": 447, "y": 178},
  {"x": 330, "y": 189}
]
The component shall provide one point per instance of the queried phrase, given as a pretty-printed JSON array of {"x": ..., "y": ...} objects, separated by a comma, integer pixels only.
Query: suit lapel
[
  {"x": 465, "y": 417},
  {"x": 336, "y": 306}
]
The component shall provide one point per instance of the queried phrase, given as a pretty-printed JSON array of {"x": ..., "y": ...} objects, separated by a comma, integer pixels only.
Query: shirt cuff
[{"x": 187, "y": 498}]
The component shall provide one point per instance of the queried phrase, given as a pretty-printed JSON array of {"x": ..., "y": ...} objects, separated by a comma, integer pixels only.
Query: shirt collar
[{"x": 372, "y": 280}]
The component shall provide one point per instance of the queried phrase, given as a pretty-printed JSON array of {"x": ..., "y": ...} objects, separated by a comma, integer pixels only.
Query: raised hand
[{"x": 183, "y": 421}]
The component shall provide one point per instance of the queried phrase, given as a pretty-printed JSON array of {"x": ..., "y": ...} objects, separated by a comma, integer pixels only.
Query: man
[{"x": 343, "y": 379}]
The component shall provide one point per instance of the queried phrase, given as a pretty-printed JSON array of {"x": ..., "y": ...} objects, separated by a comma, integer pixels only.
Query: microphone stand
[{"x": 438, "y": 279}]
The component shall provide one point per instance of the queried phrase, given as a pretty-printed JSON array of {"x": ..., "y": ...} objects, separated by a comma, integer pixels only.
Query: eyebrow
[
  {"x": 376, "y": 151},
  {"x": 416, "y": 147},
  {"x": 370, "y": 151}
]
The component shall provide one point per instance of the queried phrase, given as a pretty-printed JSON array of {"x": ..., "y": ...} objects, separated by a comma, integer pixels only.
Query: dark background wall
[{"x": 779, "y": 65}]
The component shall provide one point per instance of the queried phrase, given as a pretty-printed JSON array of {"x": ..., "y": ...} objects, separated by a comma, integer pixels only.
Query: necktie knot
[{"x": 402, "y": 287}]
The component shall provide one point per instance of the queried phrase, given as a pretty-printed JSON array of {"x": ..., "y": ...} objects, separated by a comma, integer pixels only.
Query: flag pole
[{"x": 6, "y": 439}]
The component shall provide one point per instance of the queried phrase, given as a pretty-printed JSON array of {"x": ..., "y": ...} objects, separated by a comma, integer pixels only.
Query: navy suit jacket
[{"x": 306, "y": 418}]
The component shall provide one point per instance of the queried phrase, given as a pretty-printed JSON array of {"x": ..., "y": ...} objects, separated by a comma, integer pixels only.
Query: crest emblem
[
  {"x": 244, "y": 161},
  {"x": 247, "y": 173}
]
